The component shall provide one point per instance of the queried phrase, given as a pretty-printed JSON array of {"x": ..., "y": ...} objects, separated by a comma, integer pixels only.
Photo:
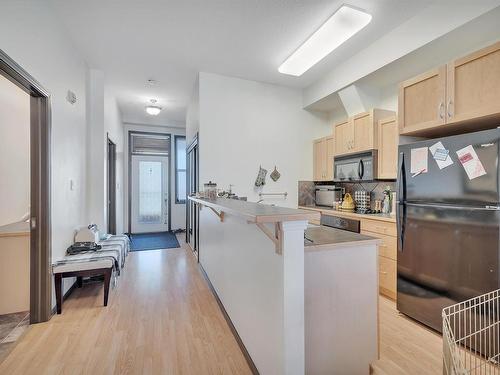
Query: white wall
[
  {"x": 35, "y": 39},
  {"x": 113, "y": 128},
  {"x": 193, "y": 113},
  {"x": 104, "y": 121},
  {"x": 14, "y": 152},
  {"x": 246, "y": 124},
  {"x": 178, "y": 211}
]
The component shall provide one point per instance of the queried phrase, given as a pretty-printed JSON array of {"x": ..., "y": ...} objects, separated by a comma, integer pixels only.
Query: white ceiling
[{"x": 171, "y": 41}]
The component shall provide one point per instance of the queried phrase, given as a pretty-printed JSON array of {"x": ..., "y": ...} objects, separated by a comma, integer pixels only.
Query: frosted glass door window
[
  {"x": 149, "y": 211},
  {"x": 150, "y": 192}
]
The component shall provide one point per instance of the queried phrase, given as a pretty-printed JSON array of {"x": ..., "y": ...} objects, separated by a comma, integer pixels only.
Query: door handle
[
  {"x": 450, "y": 112},
  {"x": 441, "y": 110},
  {"x": 33, "y": 223}
]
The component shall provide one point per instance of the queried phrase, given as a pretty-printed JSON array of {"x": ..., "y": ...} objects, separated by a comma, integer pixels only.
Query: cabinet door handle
[
  {"x": 450, "y": 112},
  {"x": 441, "y": 110},
  {"x": 383, "y": 272}
]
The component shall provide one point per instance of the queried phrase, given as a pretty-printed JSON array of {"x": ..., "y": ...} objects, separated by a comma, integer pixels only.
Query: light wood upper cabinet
[
  {"x": 422, "y": 101},
  {"x": 323, "y": 151},
  {"x": 344, "y": 137},
  {"x": 460, "y": 96},
  {"x": 363, "y": 128},
  {"x": 359, "y": 133},
  {"x": 388, "y": 138},
  {"x": 330, "y": 153},
  {"x": 473, "y": 85},
  {"x": 318, "y": 159}
]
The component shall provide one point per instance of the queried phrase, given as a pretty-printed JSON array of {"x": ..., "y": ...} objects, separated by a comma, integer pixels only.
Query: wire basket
[{"x": 471, "y": 336}]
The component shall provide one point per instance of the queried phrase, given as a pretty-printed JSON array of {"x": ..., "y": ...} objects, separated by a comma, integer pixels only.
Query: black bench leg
[
  {"x": 58, "y": 287},
  {"x": 107, "y": 280},
  {"x": 79, "y": 282}
]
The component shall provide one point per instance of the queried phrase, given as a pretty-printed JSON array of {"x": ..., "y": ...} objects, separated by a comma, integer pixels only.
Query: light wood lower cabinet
[
  {"x": 387, "y": 233},
  {"x": 387, "y": 277},
  {"x": 378, "y": 226}
]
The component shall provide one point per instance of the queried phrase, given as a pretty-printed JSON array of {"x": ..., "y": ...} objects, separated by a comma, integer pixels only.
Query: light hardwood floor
[
  {"x": 163, "y": 319},
  {"x": 406, "y": 347}
]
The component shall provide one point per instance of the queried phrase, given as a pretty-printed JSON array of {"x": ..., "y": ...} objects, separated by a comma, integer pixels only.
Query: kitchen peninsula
[{"x": 302, "y": 299}]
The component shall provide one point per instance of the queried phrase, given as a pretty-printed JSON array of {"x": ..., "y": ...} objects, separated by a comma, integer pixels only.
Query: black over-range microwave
[{"x": 355, "y": 167}]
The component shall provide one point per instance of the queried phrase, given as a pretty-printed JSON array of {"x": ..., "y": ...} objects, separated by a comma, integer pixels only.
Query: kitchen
[{"x": 374, "y": 159}]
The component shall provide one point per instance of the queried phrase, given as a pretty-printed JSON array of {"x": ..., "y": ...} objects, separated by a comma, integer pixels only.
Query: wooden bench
[{"x": 81, "y": 268}]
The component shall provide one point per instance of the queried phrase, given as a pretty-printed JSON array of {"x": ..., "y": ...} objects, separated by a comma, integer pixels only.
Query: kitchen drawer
[
  {"x": 387, "y": 276},
  {"x": 377, "y": 226},
  {"x": 388, "y": 246},
  {"x": 314, "y": 222}
]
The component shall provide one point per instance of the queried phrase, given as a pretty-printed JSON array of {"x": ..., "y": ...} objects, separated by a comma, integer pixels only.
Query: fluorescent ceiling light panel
[{"x": 341, "y": 26}]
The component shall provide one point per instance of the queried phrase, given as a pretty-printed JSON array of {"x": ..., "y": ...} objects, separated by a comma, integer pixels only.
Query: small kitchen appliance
[
  {"x": 326, "y": 195},
  {"x": 355, "y": 167}
]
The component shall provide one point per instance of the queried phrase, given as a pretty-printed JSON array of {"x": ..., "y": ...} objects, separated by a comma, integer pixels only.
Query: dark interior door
[{"x": 111, "y": 187}]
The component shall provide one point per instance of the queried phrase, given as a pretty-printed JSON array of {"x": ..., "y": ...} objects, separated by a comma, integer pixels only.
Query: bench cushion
[{"x": 74, "y": 266}]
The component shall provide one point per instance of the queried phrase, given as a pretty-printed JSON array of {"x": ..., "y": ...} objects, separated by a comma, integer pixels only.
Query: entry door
[{"x": 149, "y": 194}]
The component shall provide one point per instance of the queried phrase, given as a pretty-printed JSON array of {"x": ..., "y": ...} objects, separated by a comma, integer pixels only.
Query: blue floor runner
[{"x": 153, "y": 241}]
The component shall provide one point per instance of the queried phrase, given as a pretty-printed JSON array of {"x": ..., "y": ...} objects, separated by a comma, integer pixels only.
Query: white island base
[{"x": 296, "y": 311}]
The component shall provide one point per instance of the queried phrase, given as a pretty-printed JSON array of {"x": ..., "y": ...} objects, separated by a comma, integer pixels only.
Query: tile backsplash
[
  {"x": 306, "y": 193},
  {"x": 307, "y": 190}
]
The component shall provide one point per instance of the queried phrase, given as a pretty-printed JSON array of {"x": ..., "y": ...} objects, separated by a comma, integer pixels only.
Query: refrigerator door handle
[
  {"x": 401, "y": 178},
  {"x": 400, "y": 222},
  {"x": 456, "y": 207}
]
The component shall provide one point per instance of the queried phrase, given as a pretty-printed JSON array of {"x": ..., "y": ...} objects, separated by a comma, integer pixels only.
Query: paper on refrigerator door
[
  {"x": 418, "y": 161},
  {"x": 440, "y": 155},
  {"x": 471, "y": 163}
]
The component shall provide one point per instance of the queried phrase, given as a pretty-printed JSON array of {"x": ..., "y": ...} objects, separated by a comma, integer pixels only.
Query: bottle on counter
[{"x": 210, "y": 190}]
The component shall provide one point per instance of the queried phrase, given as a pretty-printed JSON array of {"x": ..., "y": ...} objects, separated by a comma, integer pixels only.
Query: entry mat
[{"x": 153, "y": 241}]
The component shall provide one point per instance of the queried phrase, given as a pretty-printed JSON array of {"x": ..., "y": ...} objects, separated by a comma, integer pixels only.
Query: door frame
[
  {"x": 40, "y": 196},
  {"x": 111, "y": 184},
  {"x": 194, "y": 145},
  {"x": 129, "y": 177},
  {"x": 137, "y": 226}
]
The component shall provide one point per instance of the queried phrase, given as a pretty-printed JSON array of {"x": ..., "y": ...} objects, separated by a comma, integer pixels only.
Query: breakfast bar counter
[{"x": 298, "y": 306}]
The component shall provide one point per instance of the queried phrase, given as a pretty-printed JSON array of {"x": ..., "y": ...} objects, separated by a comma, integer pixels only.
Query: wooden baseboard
[{"x": 244, "y": 350}]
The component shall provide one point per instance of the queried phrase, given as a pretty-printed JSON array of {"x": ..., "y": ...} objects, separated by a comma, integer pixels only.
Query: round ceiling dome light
[{"x": 153, "y": 109}]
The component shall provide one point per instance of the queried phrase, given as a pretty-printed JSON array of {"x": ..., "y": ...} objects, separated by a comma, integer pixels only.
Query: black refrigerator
[{"x": 448, "y": 223}]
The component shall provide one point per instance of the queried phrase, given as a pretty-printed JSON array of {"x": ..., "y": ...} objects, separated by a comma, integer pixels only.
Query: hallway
[{"x": 162, "y": 318}]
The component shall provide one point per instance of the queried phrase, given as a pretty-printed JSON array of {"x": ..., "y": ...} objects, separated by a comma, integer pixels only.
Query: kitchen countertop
[
  {"x": 256, "y": 212},
  {"x": 332, "y": 212},
  {"x": 323, "y": 237}
]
